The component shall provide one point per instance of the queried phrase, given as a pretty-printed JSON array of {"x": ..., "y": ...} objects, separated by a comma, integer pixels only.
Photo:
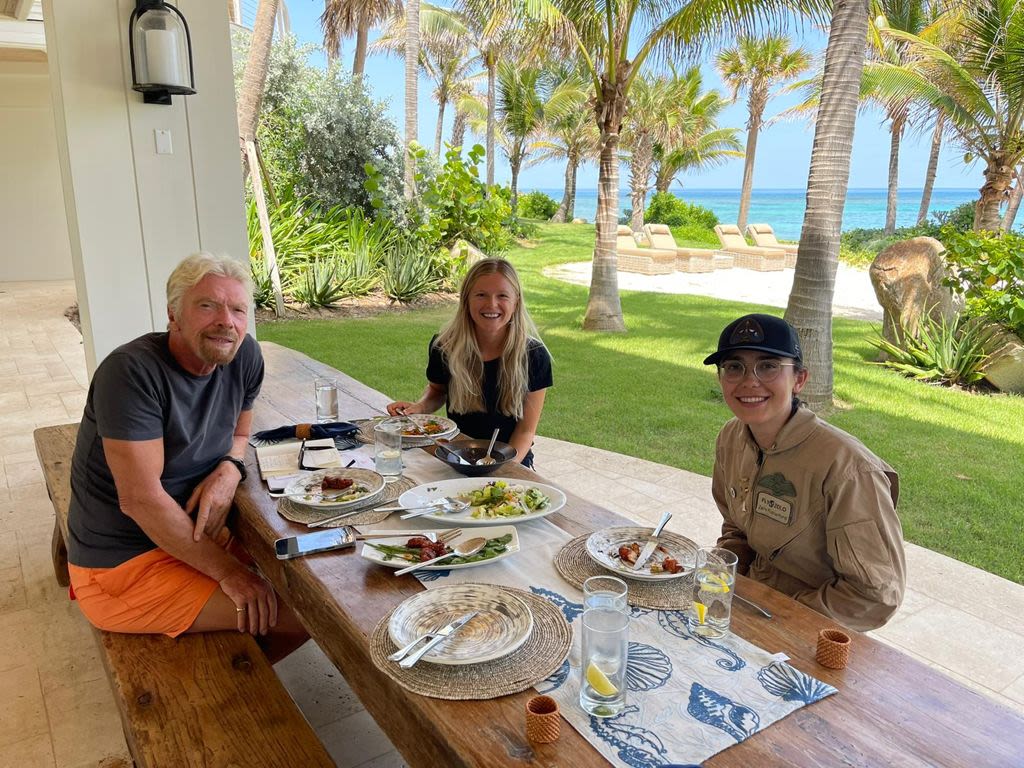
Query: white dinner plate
[
  {"x": 603, "y": 548},
  {"x": 422, "y": 495},
  {"x": 307, "y": 490},
  {"x": 450, "y": 430},
  {"x": 374, "y": 555},
  {"x": 503, "y": 623}
]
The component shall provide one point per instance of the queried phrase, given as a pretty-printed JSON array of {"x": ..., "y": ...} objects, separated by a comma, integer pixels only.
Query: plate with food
[
  {"x": 402, "y": 551},
  {"x": 502, "y": 624},
  {"x": 336, "y": 488},
  {"x": 616, "y": 549},
  {"x": 490, "y": 500},
  {"x": 418, "y": 429}
]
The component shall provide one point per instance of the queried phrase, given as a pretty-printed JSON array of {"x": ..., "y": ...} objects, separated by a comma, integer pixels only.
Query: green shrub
[
  {"x": 455, "y": 205},
  {"x": 537, "y": 205},
  {"x": 666, "y": 208},
  {"x": 319, "y": 286},
  {"x": 408, "y": 270},
  {"x": 366, "y": 242},
  {"x": 988, "y": 271},
  {"x": 262, "y": 287},
  {"x": 960, "y": 218},
  {"x": 695, "y": 236},
  {"x": 942, "y": 351}
]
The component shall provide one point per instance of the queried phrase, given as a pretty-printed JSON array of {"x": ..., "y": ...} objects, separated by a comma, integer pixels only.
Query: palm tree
[
  {"x": 342, "y": 18},
  {"x": 695, "y": 153},
  {"x": 1016, "y": 194},
  {"x": 602, "y": 34},
  {"x": 981, "y": 90},
  {"x": 810, "y": 301},
  {"x": 933, "y": 165},
  {"x": 444, "y": 55},
  {"x": 572, "y": 137},
  {"x": 755, "y": 64},
  {"x": 654, "y": 111},
  {"x": 412, "y": 56}
]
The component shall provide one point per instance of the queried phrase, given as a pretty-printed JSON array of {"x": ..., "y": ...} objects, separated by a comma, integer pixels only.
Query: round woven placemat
[
  {"x": 575, "y": 566},
  {"x": 543, "y": 652},
  {"x": 299, "y": 513}
]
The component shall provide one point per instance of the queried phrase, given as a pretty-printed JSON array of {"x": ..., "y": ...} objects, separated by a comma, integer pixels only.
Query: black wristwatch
[{"x": 239, "y": 465}]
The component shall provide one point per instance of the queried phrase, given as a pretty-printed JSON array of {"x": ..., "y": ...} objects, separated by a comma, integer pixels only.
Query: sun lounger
[
  {"x": 764, "y": 237},
  {"x": 645, "y": 261},
  {"x": 749, "y": 256},
  {"x": 687, "y": 259}
]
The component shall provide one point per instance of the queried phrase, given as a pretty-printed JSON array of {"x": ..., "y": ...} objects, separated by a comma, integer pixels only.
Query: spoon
[
  {"x": 487, "y": 458},
  {"x": 465, "y": 549}
]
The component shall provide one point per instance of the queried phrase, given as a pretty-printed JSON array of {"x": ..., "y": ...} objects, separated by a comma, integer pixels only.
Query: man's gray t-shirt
[{"x": 140, "y": 392}]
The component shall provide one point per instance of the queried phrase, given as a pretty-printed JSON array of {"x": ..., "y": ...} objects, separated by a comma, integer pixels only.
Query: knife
[
  {"x": 438, "y": 637},
  {"x": 652, "y": 542}
]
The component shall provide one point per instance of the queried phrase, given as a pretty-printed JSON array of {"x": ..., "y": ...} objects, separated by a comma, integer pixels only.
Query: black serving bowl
[{"x": 471, "y": 450}]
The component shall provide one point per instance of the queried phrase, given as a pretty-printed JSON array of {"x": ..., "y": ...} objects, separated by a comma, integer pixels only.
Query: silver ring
[{"x": 240, "y": 610}]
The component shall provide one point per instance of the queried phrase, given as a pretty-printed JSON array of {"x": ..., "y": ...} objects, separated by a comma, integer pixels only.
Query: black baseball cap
[{"x": 763, "y": 333}]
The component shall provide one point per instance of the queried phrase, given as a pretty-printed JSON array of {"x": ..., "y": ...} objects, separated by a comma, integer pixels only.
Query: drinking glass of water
[
  {"x": 713, "y": 584},
  {"x": 326, "y": 391},
  {"x": 605, "y": 592},
  {"x": 605, "y": 654},
  {"x": 387, "y": 448}
]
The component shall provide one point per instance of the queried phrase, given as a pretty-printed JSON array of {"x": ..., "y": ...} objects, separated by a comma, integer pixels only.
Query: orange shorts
[{"x": 153, "y": 593}]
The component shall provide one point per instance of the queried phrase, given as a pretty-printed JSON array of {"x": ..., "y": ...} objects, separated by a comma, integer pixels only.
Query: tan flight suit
[{"x": 813, "y": 516}]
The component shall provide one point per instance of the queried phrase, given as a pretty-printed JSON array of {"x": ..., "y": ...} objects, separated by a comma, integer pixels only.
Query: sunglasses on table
[
  {"x": 766, "y": 371},
  {"x": 302, "y": 456}
]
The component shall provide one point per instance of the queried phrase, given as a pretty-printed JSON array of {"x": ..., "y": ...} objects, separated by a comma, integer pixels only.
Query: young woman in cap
[
  {"x": 488, "y": 365},
  {"x": 806, "y": 507}
]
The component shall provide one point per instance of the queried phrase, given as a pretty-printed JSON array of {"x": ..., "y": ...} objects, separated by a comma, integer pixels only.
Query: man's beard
[{"x": 216, "y": 354}]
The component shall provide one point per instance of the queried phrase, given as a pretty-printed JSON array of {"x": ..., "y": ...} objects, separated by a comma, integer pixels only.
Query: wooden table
[{"x": 890, "y": 710}]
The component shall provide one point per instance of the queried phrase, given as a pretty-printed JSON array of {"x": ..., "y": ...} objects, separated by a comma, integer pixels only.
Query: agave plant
[
  {"x": 408, "y": 270},
  {"x": 319, "y": 286},
  {"x": 262, "y": 288},
  {"x": 950, "y": 352},
  {"x": 366, "y": 242}
]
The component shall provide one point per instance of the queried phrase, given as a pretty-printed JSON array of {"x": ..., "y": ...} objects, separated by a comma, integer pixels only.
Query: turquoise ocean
[{"x": 784, "y": 208}]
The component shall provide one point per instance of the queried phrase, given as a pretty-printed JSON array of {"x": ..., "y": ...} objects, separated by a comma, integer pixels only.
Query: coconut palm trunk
[
  {"x": 640, "y": 172},
  {"x": 515, "y": 164},
  {"x": 566, "y": 207},
  {"x": 998, "y": 177},
  {"x": 362, "y": 37},
  {"x": 1014, "y": 205},
  {"x": 412, "y": 57},
  {"x": 757, "y": 104},
  {"x": 250, "y": 97},
  {"x": 492, "y": 77},
  {"x": 459, "y": 128},
  {"x": 892, "y": 198},
  {"x": 933, "y": 165},
  {"x": 810, "y": 301},
  {"x": 442, "y": 102}
]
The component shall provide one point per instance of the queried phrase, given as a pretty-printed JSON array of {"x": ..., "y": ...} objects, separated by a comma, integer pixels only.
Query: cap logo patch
[{"x": 747, "y": 332}]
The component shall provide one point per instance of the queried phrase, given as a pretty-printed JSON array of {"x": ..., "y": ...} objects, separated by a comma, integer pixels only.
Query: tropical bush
[
  {"x": 950, "y": 352},
  {"x": 860, "y": 246},
  {"x": 319, "y": 285},
  {"x": 695, "y": 236},
  {"x": 987, "y": 269},
  {"x": 960, "y": 218},
  {"x": 408, "y": 270},
  {"x": 666, "y": 208},
  {"x": 318, "y": 128},
  {"x": 537, "y": 205}
]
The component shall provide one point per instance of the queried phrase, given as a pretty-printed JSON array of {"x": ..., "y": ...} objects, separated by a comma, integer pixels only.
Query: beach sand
[{"x": 854, "y": 297}]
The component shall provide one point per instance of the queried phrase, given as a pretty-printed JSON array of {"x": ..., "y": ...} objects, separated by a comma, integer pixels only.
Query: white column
[{"x": 134, "y": 214}]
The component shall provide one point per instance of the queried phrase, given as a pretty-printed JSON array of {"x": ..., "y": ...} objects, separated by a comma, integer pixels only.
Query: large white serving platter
[
  {"x": 503, "y": 623},
  {"x": 423, "y": 495}
]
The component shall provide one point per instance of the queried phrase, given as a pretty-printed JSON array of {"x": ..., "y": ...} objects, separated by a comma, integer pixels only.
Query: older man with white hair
[{"x": 157, "y": 461}]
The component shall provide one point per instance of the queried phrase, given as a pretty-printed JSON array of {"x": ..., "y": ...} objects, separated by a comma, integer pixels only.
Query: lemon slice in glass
[
  {"x": 599, "y": 681},
  {"x": 702, "y": 611},
  {"x": 715, "y": 583}
]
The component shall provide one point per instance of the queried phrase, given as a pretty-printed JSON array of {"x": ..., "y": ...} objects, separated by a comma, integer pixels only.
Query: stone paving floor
[{"x": 56, "y": 708}]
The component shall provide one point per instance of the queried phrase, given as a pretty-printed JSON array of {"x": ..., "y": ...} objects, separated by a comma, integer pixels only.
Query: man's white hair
[{"x": 194, "y": 268}]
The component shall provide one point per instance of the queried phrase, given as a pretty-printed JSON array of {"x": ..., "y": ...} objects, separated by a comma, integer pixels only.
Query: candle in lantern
[{"x": 162, "y": 57}]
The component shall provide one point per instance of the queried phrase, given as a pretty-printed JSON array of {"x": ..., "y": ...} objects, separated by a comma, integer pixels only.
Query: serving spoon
[
  {"x": 465, "y": 549},
  {"x": 487, "y": 458}
]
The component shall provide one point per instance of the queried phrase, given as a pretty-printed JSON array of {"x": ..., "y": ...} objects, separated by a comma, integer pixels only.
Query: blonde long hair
[{"x": 457, "y": 341}]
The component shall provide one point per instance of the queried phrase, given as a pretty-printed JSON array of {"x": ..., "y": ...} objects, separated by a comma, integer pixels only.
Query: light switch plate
[{"x": 163, "y": 142}]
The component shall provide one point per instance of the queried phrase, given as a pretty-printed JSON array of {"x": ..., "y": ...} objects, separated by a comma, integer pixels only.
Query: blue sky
[{"x": 783, "y": 151}]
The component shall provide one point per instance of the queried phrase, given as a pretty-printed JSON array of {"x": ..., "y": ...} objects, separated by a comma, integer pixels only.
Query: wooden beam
[{"x": 22, "y": 54}]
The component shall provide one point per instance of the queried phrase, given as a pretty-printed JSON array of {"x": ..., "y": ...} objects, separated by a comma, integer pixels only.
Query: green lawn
[{"x": 645, "y": 393}]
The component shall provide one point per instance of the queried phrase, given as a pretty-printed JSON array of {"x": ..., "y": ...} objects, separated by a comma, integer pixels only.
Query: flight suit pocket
[{"x": 861, "y": 553}]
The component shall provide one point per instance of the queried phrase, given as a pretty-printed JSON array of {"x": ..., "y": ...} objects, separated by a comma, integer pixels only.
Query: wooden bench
[{"x": 199, "y": 700}]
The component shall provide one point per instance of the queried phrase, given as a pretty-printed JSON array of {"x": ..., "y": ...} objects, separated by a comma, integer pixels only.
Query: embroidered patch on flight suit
[
  {"x": 779, "y": 510},
  {"x": 778, "y": 485}
]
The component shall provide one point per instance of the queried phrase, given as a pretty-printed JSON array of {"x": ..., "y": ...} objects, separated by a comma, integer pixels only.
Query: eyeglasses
[
  {"x": 765, "y": 371},
  {"x": 302, "y": 455}
]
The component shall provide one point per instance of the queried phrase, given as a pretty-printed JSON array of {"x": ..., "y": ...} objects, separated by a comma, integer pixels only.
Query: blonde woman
[{"x": 487, "y": 366}]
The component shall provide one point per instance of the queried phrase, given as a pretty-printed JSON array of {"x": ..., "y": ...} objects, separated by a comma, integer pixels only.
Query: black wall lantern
[{"x": 161, "y": 52}]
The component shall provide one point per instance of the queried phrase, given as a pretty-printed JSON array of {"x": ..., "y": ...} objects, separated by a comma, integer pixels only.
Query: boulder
[
  {"x": 579, "y": 221},
  {"x": 468, "y": 251},
  {"x": 907, "y": 278},
  {"x": 1005, "y": 367}
]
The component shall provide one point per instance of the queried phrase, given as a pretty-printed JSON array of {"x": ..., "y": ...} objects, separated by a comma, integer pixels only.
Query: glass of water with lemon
[
  {"x": 713, "y": 583},
  {"x": 605, "y": 654}
]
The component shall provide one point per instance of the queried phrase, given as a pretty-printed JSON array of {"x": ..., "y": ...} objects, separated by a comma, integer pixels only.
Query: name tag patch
[{"x": 779, "y": 510}]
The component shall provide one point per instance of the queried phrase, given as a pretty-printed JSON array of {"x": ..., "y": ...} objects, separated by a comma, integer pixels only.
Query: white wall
[
  {"x": 133, "y": 214},
  {"x": 33, "y": 230}
]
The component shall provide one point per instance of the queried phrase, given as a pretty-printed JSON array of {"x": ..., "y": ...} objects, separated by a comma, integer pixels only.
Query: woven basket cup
[
  {"x": 833, "y": 649},
  {"x": 543, "y": 719}
]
